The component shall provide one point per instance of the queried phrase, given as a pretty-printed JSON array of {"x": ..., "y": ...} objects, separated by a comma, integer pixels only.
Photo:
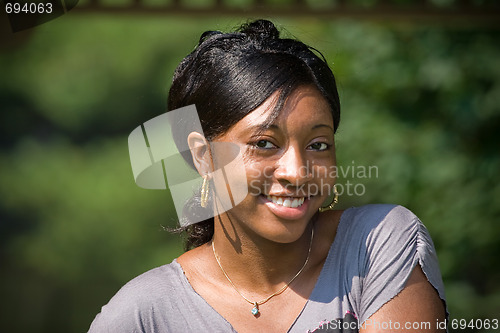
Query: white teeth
[{"x": 286, "y": 202}]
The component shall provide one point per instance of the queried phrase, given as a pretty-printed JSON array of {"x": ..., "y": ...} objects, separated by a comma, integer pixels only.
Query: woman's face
[{"x": 289, "y": 165}]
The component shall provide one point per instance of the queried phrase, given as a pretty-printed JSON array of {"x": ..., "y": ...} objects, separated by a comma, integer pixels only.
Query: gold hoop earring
[
  {"x": 333, "y": 203},
  {"x": 204, "y": 192}
]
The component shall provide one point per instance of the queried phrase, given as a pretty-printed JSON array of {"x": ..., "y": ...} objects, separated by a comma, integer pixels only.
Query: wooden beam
[{"x": 384, "y": 11}]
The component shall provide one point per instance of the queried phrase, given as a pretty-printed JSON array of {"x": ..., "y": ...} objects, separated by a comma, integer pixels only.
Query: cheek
[
  {"x": 259, "y": 177},
  {"x": 326, "y": 172},
  {"x": 231, "y": 182},
  {"x": 325, "y": 177}
]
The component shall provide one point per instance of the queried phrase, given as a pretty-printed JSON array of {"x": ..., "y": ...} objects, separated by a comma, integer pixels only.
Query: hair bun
[
  {"x": 260, "y": 28},
  {"x": 207, "y": 34}
]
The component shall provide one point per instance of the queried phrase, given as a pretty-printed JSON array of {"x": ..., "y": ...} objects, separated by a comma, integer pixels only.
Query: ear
[{"x": 200, "y": 152}]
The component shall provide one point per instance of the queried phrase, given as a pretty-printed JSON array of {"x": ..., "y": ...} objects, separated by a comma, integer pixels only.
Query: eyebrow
[
  {"x": 259, "y": 128},
  {"x": 263, "y": 127},
  {"x": 322, "y": 125}
]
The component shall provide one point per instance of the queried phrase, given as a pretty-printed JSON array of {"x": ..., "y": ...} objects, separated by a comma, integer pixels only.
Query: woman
[{"x": 281, "y": 259}]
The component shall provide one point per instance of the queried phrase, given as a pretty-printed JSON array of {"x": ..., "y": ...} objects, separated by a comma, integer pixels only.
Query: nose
[{"x": 292, "y": 168}]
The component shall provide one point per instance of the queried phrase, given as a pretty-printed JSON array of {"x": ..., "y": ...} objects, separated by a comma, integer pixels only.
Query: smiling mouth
[{"x": 286, "y": 201}]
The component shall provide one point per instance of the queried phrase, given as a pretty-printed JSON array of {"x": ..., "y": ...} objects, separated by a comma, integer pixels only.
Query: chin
[{"x": 281, "y": 224}]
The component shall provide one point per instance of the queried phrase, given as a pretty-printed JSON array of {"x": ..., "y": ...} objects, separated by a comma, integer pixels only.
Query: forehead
[{"x": 305, "y": 105}]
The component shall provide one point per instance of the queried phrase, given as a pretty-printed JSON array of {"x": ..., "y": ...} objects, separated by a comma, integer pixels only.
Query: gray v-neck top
[{"x": 374, "y": 252}]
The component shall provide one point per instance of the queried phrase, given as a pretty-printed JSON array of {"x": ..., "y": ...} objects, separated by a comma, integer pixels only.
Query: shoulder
[
  {"x": 135, "y": 303},
  {"x": 376, "y": 249},
  {"x": 374, "y": 214},
  {"x": 389, "y": 242},
  {"x": 377, "y": 220},
  {"x": 385, "y": 229},
  {"x": 152, "y": 283},
  {"x": 363, "y": 231},
  {"x": 381, "y": 240}
]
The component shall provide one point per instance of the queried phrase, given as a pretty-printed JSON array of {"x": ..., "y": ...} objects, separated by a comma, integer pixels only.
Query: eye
[
  {"x": 319, "y": 146},
  {"x": 264, "y": 144}
]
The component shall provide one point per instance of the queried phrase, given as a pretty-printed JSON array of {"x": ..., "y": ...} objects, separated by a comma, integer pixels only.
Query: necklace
[{"x": 255, "y": 309}]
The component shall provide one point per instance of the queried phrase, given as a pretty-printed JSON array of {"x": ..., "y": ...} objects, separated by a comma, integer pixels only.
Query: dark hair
[{"x": 229, "y": 75}]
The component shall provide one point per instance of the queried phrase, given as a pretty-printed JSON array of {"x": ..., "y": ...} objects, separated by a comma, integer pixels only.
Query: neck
[{"x": 256, "y": 264}]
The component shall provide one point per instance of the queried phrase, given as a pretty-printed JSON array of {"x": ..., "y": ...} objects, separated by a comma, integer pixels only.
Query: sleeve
[
  {"x": 119, "y": 315},
  {"x": 140, "y": 306},
  {"x": 394, "y": 246}
]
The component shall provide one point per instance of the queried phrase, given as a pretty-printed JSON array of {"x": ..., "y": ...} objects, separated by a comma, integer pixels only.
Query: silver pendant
[{"x": 255, "y": 310}]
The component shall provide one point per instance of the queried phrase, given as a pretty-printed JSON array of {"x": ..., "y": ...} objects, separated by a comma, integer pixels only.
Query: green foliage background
[{"x": 419, "y": 102}]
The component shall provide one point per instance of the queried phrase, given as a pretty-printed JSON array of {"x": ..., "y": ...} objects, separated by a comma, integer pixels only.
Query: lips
[
  {"x": 286, "y": 201},
  {"x": 289, "y": 208}
]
